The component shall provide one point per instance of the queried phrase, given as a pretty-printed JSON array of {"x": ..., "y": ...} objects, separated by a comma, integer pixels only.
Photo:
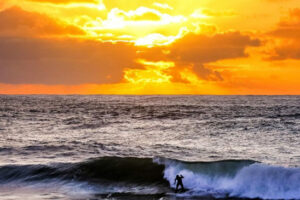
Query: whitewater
[{"x": 132, "y": 147}]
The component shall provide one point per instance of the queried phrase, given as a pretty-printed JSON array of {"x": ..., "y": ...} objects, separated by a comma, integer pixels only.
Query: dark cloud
[
  {"x": 207, "y": 73},
  {"x": 41, "y": 61},
  {"x": 286, "y": 51},
  {"x": 203, "y": 49},
  {"x": 18, "y": 22},
  {"x": 197, "y": 50},
  {"x": 65, "y": 1}
]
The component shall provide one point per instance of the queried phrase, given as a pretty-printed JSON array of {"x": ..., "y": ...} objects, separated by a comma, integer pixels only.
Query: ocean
[{"x": 132, "y": 147}]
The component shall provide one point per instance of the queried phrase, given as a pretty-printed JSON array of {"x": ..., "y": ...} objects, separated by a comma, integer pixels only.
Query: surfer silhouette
[{"x": 178, "y": 179}]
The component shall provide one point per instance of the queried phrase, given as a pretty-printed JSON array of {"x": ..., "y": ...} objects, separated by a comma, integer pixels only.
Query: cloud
[
  {"x": 289, "y": 27},
  {"x": 286, "y": 51},
  {"x": 206, "y": 73},
  {"x": 143, "y": 14},
  {"x": 200, "y": 48},
  {"x": 35, "y": 60},
  {"x": 65, "y": 1},
  {"x": 62, "y": 61},
  {"x": 162, "y": 5},
  {"x": 203, "y": 49},
  {"x": 142, "y": 26},
  {"x": 146, "y": 16},
  {"x": 212, "y": 13},
  {"x": 195, "y": 50},
  {"x": 276, "y": 1},
  {"x": 287, "y": 31},
  {"x": 140, "y": 14},
  {"x": 18, "y": 22}
]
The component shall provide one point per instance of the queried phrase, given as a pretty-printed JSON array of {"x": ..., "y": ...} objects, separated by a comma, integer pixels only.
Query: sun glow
[
  {"x": 141, "y": 26},
  {"x": 149, "y": 26},
  {"x": 157, "y": 39}
]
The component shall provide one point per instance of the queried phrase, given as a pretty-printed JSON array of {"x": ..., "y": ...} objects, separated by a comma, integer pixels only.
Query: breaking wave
[
  {"x": 239, "y": 179},
  {"x": 220, "y": 179}
]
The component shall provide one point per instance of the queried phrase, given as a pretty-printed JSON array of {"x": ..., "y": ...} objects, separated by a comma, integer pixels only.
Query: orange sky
[{"x": 149, "y": 47}]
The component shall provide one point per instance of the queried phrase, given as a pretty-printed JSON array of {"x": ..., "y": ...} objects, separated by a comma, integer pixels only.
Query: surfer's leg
[{"x": 181, "y": 185}]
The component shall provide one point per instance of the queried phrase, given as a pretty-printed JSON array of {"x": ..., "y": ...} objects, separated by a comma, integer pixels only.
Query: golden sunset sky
[{"x": 149, "y": 47}]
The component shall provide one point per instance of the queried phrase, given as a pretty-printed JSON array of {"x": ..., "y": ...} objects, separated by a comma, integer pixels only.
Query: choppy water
[{"x": 131, "y": 147}]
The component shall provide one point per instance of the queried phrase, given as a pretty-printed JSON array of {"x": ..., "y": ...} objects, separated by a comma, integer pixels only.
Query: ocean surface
[{"x": 132, "y": 147}]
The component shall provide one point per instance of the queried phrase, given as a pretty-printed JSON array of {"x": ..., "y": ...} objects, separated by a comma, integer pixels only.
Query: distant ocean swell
[{"x": 220, "y": 179}]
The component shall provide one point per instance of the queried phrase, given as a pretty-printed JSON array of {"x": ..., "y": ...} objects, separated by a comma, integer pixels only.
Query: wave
[
  {"x": 220, "y": 179},
  {"x": 236, "y": 178},
  {"x": 113, "y": 169}
]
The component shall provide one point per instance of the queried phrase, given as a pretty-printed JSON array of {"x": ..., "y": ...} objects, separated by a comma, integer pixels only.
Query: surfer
[{"x": 178, "y": 179}]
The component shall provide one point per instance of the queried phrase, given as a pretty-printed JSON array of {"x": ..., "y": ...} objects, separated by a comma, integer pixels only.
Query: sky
[{"x": 232, "y": 47}]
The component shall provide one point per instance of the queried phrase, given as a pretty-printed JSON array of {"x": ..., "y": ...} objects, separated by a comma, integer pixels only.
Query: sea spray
[
  {"x": 245, "y": 180},
  {"x": 266, "y": 182}
]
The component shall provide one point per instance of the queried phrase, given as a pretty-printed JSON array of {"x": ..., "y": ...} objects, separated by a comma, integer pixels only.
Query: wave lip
[{"x": 130, "y": 170}]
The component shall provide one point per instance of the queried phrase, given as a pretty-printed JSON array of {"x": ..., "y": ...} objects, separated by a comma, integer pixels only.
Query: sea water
[{"x": 132, "y": 147}]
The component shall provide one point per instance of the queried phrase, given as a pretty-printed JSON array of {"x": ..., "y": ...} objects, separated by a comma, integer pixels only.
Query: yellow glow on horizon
[{"x": 151, "y": 88}]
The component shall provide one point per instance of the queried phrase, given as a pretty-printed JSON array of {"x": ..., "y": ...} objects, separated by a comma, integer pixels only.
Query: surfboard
[{"x": 180, "y": 191}]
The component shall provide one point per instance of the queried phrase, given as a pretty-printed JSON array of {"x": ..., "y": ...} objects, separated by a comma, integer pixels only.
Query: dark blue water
[{"x": 131, "y": 147}]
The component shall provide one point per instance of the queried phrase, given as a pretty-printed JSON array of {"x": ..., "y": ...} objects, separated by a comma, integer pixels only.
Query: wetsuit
[{"x": 179, "y": 182}]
